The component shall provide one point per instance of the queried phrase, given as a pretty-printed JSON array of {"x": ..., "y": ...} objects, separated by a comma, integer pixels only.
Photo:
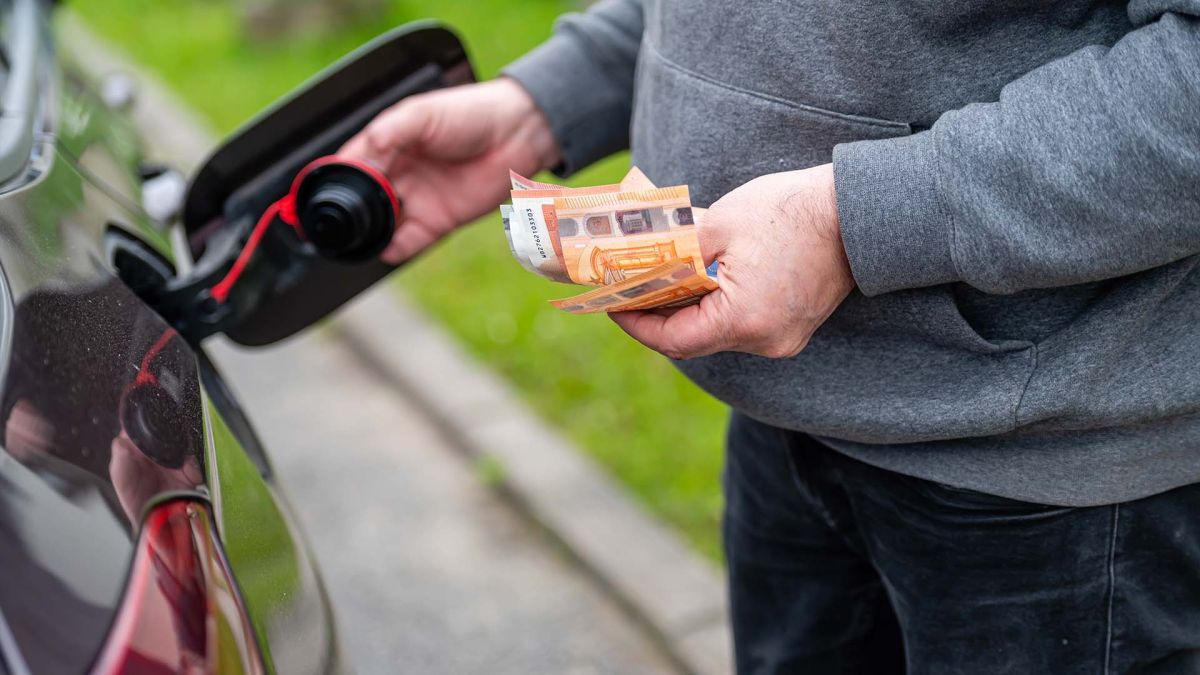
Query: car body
[
  {"x": 141, "y": 530},
  {"x": 75, "y": 488}
]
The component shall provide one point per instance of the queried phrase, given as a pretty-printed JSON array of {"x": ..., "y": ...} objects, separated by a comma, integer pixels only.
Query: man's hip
[{"x": 836, "y": 566}]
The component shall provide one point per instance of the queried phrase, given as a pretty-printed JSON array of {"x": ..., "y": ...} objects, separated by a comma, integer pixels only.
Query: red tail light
[{"x": 182, "y": 612}]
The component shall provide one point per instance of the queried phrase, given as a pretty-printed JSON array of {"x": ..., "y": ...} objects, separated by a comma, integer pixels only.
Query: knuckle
[
  {"x": 377, "y": 140},
  {"x": 387, "y": 131},
  {"x": 677, "y": 350},
  {"x": 417, "y": 107},
  {"x": 674, "y": 353},
  {"x": 796, "y": 349},
  {"x": 775, "y": 351},
  {"x": 784, "y": 349}
]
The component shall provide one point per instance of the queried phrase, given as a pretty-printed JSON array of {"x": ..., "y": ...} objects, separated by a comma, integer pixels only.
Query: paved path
[{"x": 428, "y": 570}]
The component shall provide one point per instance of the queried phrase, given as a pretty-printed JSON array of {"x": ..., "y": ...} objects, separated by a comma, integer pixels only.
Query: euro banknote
[
  {"x": 529, "y": 237},
  {"x": 635, "y": 242},
  {"x": 532, "y": 239},
  {"x": 606, "y": 238},
  {"x": 506, "y": 215},
  {"x": 672, "y": 284}
]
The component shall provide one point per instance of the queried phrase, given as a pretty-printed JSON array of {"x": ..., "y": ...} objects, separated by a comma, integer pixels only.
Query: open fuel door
[{"x": 287, "y": 284}]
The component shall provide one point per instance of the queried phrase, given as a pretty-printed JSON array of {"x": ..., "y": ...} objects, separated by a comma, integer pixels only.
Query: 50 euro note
[
  {"x": 530, "y": 238},
  {"x": 609, "y": 237},
  {"x": 506, "y": 216},
  {"x": 636, "y": 241},
  {"x": 533, "y": 240},
  {"x": 673, "y": 284},
  {"x": 530, "y": 224}
]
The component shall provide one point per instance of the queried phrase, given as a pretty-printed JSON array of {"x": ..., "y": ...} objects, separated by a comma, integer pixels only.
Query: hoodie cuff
[
  {"x": 895, "y": 226},
  {"x": 588, "y": 113}
]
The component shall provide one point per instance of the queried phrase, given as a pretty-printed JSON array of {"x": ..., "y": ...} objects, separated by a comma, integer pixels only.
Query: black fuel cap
[{"x": 345, "y": 212}]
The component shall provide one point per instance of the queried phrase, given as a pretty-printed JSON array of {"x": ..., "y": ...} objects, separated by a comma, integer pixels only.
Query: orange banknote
[
  {"x": 635, "y": 241},
  {"x": 609, "y": 237},
  {"x": 670, "y": 285},
  {"x": 533, "y": 243}
]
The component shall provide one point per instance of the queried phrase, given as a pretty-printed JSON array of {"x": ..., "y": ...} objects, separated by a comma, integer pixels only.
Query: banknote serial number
[{"x": 533, "y": 231}]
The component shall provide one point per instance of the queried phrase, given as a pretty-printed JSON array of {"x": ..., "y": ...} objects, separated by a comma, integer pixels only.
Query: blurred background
[{"x": 622, "y": 404}]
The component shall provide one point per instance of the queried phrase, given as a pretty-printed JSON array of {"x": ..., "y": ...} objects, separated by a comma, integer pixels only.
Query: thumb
[
  {"x": 411, "y": 237},
  {"x": 683, "y": 333},
  {"x": 711, "y": 233}
]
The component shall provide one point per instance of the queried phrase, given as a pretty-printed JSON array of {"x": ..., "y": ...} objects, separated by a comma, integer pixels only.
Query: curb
[{"x": 677, "y": 596}]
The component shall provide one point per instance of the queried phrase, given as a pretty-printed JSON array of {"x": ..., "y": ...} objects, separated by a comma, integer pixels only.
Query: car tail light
[{"x": 181, "y": 612}]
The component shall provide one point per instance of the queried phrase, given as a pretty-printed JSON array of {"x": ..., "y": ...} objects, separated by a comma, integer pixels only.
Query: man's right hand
[{"x": 448, "y": 154}]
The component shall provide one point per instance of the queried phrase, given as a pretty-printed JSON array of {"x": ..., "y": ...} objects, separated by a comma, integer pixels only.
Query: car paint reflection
[{"x": 117, "y": 402}]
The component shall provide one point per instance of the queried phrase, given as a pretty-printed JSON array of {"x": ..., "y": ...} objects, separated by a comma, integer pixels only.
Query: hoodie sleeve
[
  {"x": 582, "y": 79},
  {"x": 1086, "y": 168}
]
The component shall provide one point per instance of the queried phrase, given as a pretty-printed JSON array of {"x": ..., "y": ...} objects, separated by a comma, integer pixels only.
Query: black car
[{"x": 140, "y": 529}]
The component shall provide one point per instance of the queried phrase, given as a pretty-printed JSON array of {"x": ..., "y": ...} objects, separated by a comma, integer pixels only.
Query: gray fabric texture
[{"x": 1018, "y": 185}]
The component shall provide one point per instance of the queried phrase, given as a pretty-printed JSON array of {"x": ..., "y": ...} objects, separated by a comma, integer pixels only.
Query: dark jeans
[{"x": 839, "y": 567}]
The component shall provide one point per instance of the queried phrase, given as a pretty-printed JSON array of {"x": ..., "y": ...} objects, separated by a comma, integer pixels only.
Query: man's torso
[{"x": 1076, "y": 395}]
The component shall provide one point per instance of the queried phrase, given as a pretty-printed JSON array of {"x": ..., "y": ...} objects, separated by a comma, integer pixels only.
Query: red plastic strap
[
  {"x": 221, "y": 290},
  {"x": 145, "y": 374},
  {"x": 287, "y": 211}
]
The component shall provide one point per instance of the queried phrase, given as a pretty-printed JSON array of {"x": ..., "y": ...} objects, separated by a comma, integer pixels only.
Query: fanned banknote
[
  {"x": 506, "y": 214},
  {"x": 672, "y": 284},
  {"x": 606, "y": 238},
  {"x": 635, "y": 241}
]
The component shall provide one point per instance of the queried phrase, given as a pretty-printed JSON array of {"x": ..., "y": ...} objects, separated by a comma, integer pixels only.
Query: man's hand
[
  {"x": 448, "y": 154},
  {"x": 782, "y": 272}
]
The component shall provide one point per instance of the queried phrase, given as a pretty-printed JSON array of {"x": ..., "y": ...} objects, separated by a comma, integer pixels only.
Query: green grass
[{"x": 625, "y": 405}]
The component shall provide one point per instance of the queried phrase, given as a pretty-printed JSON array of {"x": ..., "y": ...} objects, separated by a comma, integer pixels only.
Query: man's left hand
[{"x": 782, "y": 271}]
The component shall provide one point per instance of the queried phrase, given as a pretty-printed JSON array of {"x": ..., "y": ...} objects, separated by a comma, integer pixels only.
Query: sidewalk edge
[{"x": 672, "y": 590}]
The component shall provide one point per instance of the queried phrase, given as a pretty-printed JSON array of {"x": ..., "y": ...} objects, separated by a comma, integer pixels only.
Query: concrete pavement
[
  {"x": 677, "y": 596},
  {"x": 428, "y": 570}
]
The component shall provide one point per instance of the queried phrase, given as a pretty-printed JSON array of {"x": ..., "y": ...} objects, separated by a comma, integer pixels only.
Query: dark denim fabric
[{"x": 836, "y": 566}]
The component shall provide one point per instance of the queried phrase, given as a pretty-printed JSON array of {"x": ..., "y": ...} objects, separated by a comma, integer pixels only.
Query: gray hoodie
[{"x": 1018, "y": 185}]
